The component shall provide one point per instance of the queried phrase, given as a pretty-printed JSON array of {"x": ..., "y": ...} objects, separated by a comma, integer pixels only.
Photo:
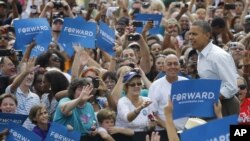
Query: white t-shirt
[
  {"x": 124, "y": 107},
  {"x": 159, "y": 93}
]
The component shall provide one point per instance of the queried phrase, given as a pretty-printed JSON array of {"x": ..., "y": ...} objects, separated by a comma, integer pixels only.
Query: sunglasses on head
[
  {"x": 135, "y": 84},
  {"x": 242, "y": 87}
]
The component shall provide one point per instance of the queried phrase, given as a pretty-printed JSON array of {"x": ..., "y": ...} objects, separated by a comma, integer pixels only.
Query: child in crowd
[
  {"x": 8, "y": 103},
  {"x": 106, "y": 119},
  {"x": 40, "y": 117}
]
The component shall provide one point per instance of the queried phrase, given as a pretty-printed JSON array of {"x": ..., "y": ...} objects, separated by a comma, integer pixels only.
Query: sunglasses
[
  {"x": 4, "y": 37},
  {"x": 135, "y": 84},
  {"x": 242, "y": 87}
]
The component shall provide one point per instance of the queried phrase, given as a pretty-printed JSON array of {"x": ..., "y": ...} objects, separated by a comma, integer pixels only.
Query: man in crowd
[{"x": 215, "y": 63}]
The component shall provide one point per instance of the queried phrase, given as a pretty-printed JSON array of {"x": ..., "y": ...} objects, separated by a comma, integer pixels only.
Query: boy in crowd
[{"x": 106, "y": 119}]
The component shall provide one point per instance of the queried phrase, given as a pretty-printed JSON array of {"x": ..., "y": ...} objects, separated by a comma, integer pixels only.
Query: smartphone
[
  {"x": 151, "y": 117},
  {"x": 137, "y": 24},
  {"x": 151, "y": 20},
  {"x": 132, "y": 37},
  {"x": 5, "y": 52},
  {"x": 136, "y": 10},
  {"x": 229, "y": 6},
  {"x": 92, "y": 5},
  {"x": 33, "y": 9},
  {"x": 145, "y": 5}
]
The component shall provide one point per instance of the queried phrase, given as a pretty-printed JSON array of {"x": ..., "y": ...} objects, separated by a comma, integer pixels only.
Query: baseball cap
[
  {"x": 134, "y": 45},
  {"x": 2, "y": 3},
  {"x": 128, "y": 76},
  {"x": 58, "y": 20},
  {"x": 247, "y": 19}
]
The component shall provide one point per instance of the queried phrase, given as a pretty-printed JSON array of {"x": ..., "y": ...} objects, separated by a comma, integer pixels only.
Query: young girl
[{"x": 40, "y": 117}]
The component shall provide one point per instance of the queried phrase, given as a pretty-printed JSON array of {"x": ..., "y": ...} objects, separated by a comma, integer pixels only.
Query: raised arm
[
  {"x": 26, "y": 67},
  {"x": 170, "y": 127},
  {"x": 67, "y": 107}
]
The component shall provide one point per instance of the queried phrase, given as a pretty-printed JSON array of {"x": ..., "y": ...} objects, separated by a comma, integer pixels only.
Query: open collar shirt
[{"x": 215, "y": 63}]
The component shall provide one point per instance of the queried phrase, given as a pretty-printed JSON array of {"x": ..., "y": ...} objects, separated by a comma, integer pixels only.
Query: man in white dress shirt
[{"x": 215, "y": 63}]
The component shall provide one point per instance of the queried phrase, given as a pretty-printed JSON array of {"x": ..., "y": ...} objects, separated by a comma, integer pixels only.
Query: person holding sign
[
  {"x": 8, "y": 103},
  {"x": 132, "y": 110},
  {"x": 75, "y": 109},
  {"x": 159, "y": 93},
  {"x": 21, "y": 89},
  {"x": 215, "y": 63},
  {"x": 40, "y": 117}
]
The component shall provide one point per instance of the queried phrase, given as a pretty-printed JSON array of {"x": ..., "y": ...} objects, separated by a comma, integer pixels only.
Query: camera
[
  {"x": 57, "y": 4},
  {"x": 229, "y": 6},
  {"x": 137, "y": 24},
  {"x": 136, "y": 11},
  {"x": 133, "y": 37},
  {"x": 33, "y": 9},
  {"x": 58, "y": 15},
  {"x": 150, "y": 20},
  {"x": 177, "y": 5},
  {"x": 145, "y": 5},
  {"x": 92, "y": 5},
  {"x": 9, "y": 52}
]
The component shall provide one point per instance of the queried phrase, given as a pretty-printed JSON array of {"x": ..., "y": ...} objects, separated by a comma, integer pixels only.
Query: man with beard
[{"x": 21, "y": 89}]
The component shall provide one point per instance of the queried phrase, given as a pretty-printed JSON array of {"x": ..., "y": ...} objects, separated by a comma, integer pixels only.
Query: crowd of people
[{"x": 125, "y": 96}]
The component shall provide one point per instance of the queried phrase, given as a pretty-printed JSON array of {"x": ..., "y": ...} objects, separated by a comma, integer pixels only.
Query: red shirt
[{"x": 244, "y": 117}]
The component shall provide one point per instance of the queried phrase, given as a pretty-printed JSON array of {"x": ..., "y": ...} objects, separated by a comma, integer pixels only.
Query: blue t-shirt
[{"x": 82, "y": 119}]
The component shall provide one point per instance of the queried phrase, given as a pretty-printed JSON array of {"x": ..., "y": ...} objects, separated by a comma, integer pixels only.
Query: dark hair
[
  {"x": 43, "y": 59},
  {"x": 110, "y": 75},
  {"x": 58, "y": 82},
  {"x": 218, "y": 22},
  {"x": 232, "y": 23},
  {"x": 204, "y": 25},
  {"x": 74, "y": 84}
]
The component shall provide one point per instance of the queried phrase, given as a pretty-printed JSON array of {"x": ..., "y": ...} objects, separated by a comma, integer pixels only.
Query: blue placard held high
[
  {"x": 195, "y": 97},
  {"x": 58, "y": 132},
  {"x": 77, "y": 31},
  {"x": 6, "y": 118},
  {"x": 28, "y": 29},
  {"x": 144, "y": 18},
  {"x": 106, "y": 38},
  {"x": 216, "y": 130}
]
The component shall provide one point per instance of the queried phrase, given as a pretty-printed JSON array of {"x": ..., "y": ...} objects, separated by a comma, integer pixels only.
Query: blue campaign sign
[
  {"x": 77, "y": 31},
  {"x": 58, "y": 132},
  {"x": 145, "y": 17},
  {"x": 81, "y": 19},
  {"x": 29, "y": 29},
  {"x": 19, "y": 133},
  {"x": 216, "y": 130},
  {"x": 195, "y": 97},
  {"x": 6, "y": 118},
  {"x": 106, "y": 38}
]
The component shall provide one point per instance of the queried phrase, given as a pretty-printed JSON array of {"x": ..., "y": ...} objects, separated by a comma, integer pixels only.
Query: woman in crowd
[
  {"x": 132, "y": 110},
  {"x": 53, "y": 82},
  {"x": 75, "y": 110},
  {"x": 243, "y": 96}
]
